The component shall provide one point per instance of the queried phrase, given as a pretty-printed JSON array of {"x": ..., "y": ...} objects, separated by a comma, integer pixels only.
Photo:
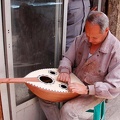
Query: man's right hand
[{"x": 64, "y": 77}]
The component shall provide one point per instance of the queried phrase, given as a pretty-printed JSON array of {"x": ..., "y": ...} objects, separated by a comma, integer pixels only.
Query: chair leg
[
  {"x": 97, "y": 112},
  {"x": 103, "y": 110}
]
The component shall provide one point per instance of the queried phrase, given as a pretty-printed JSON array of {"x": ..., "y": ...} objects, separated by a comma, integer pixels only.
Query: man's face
[{"x": 94, "y": 34}]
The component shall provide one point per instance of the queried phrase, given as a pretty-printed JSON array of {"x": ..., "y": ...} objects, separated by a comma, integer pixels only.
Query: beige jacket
[{"x": 101, "y": 71}]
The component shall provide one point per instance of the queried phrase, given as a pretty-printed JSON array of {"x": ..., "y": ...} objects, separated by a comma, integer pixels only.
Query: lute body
[{"x": 43, "y": 83}]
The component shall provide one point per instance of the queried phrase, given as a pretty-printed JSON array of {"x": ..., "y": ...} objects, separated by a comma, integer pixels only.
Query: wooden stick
[{"x": 18, "y": 80}]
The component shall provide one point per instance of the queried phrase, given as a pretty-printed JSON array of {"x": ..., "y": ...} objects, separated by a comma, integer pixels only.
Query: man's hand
[
  {"x": 64, "y": 77},
  {"x": 77, "y": 88}
]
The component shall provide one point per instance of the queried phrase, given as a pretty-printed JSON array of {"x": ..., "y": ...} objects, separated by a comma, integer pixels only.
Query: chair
[{"x": 98, "y": 111}]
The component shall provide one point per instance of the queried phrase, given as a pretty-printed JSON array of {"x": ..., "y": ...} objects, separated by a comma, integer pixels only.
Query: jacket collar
[{"x": 107, "y": 44}]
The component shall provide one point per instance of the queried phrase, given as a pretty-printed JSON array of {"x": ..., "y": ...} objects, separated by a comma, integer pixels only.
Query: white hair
[{"x": 100, "y": 18}]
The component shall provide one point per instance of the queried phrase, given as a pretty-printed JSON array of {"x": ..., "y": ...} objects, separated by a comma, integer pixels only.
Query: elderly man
[{"x": 94, "y": 58}]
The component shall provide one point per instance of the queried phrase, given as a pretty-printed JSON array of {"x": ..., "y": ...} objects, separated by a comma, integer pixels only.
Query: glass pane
[{"x": 34, "y": 38}]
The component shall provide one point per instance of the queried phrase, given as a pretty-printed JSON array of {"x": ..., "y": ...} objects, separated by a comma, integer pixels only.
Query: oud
[{"x": 43, "y": 83}]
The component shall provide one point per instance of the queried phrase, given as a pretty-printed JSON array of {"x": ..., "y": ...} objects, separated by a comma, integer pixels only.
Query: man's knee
[{"x": 66, "y": 109}]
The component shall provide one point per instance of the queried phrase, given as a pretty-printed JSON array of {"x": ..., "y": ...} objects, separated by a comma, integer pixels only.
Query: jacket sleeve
[{"x": 110, "y": 87}]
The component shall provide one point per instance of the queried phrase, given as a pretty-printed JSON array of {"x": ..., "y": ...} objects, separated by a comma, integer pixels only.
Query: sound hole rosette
[
  {"x": 45, "y": 79},
  {"x": 63, "y": 86},
  {"x": 52, "y": 72}
]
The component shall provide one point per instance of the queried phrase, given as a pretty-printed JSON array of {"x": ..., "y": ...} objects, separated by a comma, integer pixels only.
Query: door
[
  {"x": 33, "y": 40},
  {"x": 3, "y": 87}
]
